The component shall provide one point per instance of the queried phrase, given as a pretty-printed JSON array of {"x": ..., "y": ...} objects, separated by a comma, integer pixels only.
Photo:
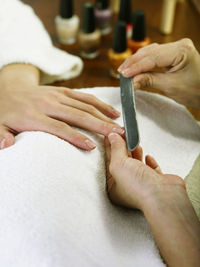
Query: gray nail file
[{"x": 129, "y": 113}]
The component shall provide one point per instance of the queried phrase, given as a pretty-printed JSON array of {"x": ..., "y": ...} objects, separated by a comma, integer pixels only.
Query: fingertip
[
  {"x": 7, "y": 140},
  {"x": 115, "y": 114},
  {"x": 89, "y": 145},
  {"x": 138, "y": 153},
  {"x": 152, "y": 163},
  {"x": 112, "y": 137}
]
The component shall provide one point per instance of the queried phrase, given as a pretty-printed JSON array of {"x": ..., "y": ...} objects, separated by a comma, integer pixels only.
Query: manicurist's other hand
[
  {"x": 27, "y": 106},
  {"x": 181, "y": 81}
]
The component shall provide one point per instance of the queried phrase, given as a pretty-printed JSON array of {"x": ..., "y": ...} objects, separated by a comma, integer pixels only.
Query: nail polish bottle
[
  {"x": 125, "y": 15},
  {"x": 67, "y": 24},
  {"x": 103, "y": 15},
  {"x": 167, "y": 18},
  {"x": 138, "y": 38},
  {"x": 89, "y": 37},
  {"x": 115, "y": 5},
  {"x": 119, "y": 52}
]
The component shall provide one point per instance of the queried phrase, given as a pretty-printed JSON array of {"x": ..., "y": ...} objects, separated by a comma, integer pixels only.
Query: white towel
[
  {"x": 54, "y": 210},
  {"x": 25, "y": 40}
]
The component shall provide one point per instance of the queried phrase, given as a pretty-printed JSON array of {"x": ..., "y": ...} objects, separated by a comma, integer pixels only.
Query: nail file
[{"x": 129, "y": 112}]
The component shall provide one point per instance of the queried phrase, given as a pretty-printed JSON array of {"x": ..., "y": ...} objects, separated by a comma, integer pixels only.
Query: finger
[
  {"x": 84, "y": 107},
  {"x": 94, "y": 101},
  {"x": 65, "y": 132},
  {"x": 138, "y": 153},
  {"x": 144, "y": 65},
  {"x": 109, "y": 179},
  {"x": 139, "y": 55},
  {"x": 78, "y": 118},
  {"x": 152, "y": 56},
  {"x": 6, "y": 137},
  {"x": 131, "y": 60},
  {"x": 160, "y": 81},
  {"x": 152, "y": 163},
  {"x": 107, "y": 149},
  {"x": 118, "y": 150}
]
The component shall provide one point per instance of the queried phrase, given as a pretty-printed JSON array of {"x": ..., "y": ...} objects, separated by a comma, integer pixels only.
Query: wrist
[
  {"x": 164, "y": 197},
  {"x": 19, "y": 75}
]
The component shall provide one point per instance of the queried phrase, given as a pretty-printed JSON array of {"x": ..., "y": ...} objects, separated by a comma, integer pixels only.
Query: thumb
[
  {"x": 118, "y": 150},
  {"x": 161, "y": 81}
]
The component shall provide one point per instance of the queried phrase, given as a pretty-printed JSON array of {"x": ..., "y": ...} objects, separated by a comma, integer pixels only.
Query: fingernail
[
  {"x": 125, "y": 72},
  {"x": 90, "y": 144},
  {"x": 112, "y": 137},
  {"x": 120, "y": 68},
  {"x": 116, "y": 113},
  {"x": 2, "y": 143},
  {"x": 118, "y": 130}
]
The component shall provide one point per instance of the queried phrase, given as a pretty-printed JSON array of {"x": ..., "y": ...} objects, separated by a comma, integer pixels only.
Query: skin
[
  {"x": 161, "y": 197},
  {"x": 180, "y": 79},
  {"x": 27, "y": 106}
]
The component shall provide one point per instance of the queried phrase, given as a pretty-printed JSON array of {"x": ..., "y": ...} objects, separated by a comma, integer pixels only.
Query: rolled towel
[{"x": 25, "y": 40}]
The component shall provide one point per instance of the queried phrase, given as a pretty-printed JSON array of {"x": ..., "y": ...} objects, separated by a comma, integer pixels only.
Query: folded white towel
[
  {"x": 54, "y": 211},
  {"x": 25, "y": 40}
]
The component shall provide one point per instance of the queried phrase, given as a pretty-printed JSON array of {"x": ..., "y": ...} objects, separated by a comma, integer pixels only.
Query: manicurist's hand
[
  {"x": 27, "y": 106},
  {"x": 181, "y": 81},
  {"x": 161, "y": 197},
  {"x": 130, "y": 182}
]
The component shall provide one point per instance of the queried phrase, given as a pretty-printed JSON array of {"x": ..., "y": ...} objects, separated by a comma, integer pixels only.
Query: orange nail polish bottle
[
  {"x": 119, "y": 51},
  {"x": 138, "y": 38}
]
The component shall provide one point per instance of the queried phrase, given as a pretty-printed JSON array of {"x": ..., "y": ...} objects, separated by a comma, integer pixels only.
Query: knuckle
[
  {"x": 54, "y": 94},
  {"x": 59, "y": 127},
  {"x": 187, "y": 44},
  {"x": 148, "y": 80},
  {"x": 91, "y": 109},
  {"x": 91, "y": 98},
  {"x": 145, "y": 80},
  {"x": 145, "y": 50},
  {"x": 105, "y": 128},
  {"x": 63, "y": 90}
]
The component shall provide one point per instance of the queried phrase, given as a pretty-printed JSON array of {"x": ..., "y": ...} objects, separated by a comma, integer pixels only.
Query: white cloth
[
  {"x": 54, "y": 211},
  {"x": 25, "y": 40}
]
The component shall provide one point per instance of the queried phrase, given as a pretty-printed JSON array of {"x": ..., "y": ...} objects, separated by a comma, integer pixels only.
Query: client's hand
[
  {"x": 27, "y": 106},
  {"x": 181, "y": 81},
  {"x": 130, "y": 182}
]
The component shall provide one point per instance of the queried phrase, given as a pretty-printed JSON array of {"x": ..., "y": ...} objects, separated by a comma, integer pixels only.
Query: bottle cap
[
  {"x": 139, "y": 25},
  {"x": 66, "y": 9},
  {"x": 88, "y": 24},
  {"x": 125, "y": 11},
  {"x": 119, "y": 38},
  {"x": 102, "y": 4}
]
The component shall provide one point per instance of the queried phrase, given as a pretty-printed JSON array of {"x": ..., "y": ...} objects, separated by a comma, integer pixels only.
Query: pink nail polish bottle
[{"x": 103, "y": 15}]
